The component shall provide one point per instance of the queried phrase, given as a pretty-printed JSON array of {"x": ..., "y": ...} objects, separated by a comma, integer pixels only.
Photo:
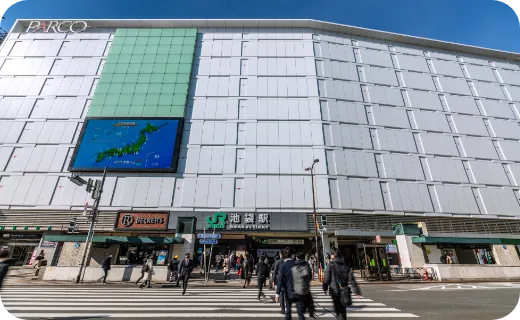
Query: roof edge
[{"x": 294, "y": 23}]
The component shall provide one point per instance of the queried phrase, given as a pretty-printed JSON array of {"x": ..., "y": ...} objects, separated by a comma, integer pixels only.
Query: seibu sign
[
  {"x": 57, "y": 26},
  {"x": 142, "y": 221}
]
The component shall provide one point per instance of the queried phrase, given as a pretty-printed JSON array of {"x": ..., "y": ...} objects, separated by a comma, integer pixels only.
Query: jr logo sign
[
  {"x": 57, "y": 26},
  {"x": 218, "y": 221}
]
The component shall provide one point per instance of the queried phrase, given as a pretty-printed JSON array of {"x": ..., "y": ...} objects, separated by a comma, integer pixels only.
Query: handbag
[{"x": 344, "y": 289}]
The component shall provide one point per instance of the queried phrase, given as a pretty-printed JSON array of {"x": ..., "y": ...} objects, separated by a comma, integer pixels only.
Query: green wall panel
[{"x": 146, "y": 74}]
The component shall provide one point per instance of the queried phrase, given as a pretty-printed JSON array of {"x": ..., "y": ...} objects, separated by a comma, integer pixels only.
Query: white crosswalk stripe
[{"x": 131, "y": 302}]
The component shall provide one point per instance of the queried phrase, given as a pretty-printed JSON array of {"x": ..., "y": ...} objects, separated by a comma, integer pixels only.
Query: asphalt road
[
  {"x": 426, "y": 300},
  {"x": 475, "y": 301}
]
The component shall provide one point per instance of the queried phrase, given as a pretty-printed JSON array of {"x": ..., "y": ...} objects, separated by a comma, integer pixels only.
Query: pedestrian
[
  {"x": 240, "y": 260},
  {"x": 338, "y": 281},
  {"x": 247, "y": 269},
  {"x": 301, "y": 276},
  {"x": 148, "y": 273},
  {"x": 449, "y": 259},
  {"x": 5, "y": 263},
  {"x": 219, "y": 262},
  {"x": 173, "y": 267},
  {"x": 275, "y": 275},
  {"x": 262, "y": 274},
  {"x": 185, "y": 269},
  {"x": 444, "y": 258},
  {"x": 232, "y": 259},
  {"x": 143, "y": 270},
  {"x": 312, "y": 263},
  {"x": 39, "y": 259},
  {"x": 225, "y": 265},
  {"x": 285, "y": 281},
  {"x": 105, "y": 265},
  {"x": 201, "y": 263}
]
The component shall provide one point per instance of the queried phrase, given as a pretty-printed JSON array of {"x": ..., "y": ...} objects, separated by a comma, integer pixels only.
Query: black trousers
[
  {"x": 247, "y": 279},
  {"x": 288, "y": 309},
  {"x": 339, "y": 309},
  {"x": 282, "y": 299},
  {"x": 184, "y": 281},
  {"x": 261, "y": 283},
  {"x": 140, "y": 278},
  {"x": 105, "y": 270},
  {"x": 305, "y": 303}
]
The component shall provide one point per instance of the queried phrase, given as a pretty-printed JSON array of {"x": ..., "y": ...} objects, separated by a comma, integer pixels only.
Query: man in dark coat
[
  {"x": 339, "y": 271},
  {"x": 185, "y": 269},
  {"x": 276, "y": 271},
  {"x": 106, "y": 266},
  {"x": 247, "y": 270},
  {"x": 262, "y": 272},
  {"x": 5, "y": 263},
  {"x": 285, "y": 282}
]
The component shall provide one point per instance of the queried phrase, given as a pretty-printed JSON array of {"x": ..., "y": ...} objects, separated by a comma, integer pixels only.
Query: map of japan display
[{"x": 127, "y": 144}]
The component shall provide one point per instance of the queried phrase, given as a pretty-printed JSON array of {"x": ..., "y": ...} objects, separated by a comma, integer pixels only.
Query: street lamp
[
  {"x": 311, "y": 169},
  {"x": 96, "y": 195}
]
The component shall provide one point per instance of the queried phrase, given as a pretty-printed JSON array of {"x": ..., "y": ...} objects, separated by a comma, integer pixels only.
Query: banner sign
[
  {"x": 239, "y": 221},
  {"x": 57, "y": 26},
  {"x": 142, "y": 221}
]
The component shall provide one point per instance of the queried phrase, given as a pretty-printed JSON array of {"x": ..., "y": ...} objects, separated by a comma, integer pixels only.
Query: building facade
[{"x": 406, "y": 130}]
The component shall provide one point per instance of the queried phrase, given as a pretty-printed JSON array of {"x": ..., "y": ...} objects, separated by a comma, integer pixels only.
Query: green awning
[
  {"x": 453, "y": 240},
  {"x": 114, "y": 239}
]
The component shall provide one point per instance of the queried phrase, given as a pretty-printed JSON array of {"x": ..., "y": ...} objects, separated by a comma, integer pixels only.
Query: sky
[{"x": 484, "y": 23}]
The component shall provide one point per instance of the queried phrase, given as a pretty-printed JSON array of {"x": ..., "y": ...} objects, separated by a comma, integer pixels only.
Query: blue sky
[{"x": 483, "y": 23}]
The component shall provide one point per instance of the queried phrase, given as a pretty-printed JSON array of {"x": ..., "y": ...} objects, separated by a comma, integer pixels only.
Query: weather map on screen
[{"x": 128, "y": 144}]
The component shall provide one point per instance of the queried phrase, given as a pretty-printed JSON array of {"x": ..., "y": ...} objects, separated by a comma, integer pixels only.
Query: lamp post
[
  {"x": 311, "y": 169},
  {"x": 96, "y": 194}
]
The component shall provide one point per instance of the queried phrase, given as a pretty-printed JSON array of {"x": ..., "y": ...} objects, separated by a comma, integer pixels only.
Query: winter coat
[
  {"x": 148, "y": 274},
  {"x": 276, "y": 269},
  {"x": 225, "y": 264},
  {"x": 262, "y": 270},
  {"x": 248, "y": 265},
  {"x": 285, "y": 279},
  {"x": 174, "y": 265},
  {"x": 330, "y": 281},
  {"x": 106, "y": 263},
  {"x": 4, "y": 266}
]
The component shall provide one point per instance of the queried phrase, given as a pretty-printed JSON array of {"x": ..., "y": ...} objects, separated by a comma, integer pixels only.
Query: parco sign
[{"x": 57, "y": 26}]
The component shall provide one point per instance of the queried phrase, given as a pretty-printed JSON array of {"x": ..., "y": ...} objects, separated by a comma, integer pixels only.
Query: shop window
[{"x": 131, "y": 254}]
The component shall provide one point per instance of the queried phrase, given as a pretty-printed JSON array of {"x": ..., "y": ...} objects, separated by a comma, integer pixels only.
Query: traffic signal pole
[{"x": 90, "y": 235}]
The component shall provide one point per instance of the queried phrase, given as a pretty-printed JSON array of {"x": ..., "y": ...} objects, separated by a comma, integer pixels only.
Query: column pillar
[
  {"x": 411, "y": 255},
  {"x": 187, "y": 247}
]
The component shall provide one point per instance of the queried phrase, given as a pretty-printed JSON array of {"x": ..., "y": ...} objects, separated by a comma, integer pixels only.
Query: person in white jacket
[{"x": 148, "y": 272}]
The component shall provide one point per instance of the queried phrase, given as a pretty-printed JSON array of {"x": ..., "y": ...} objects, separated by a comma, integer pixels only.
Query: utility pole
[
  {"x": 96, "y": 194},
  {"x": 311, "y": 169}
]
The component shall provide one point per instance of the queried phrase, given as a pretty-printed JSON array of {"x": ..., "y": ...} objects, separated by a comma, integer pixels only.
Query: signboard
[
  {"x": 28, "y": 236},
  {"x": 57, "y": 26},
  {"x": 146, "y": 221},
  {"x": 286, "y": 241},
  {"x": 48, "y": 244},
  {"x": 239, "y": 221},
  {"x": 161, "y": 258},
  {"x": 209, "y": 236},
  {"x": 391, "y": 248},
  {"x": 378, "y": 239},
  {"x": 131, "y": 144},
  {"x": 208, "y": 241}
]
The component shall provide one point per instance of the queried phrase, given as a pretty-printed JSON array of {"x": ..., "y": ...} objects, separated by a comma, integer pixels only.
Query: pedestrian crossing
[{"x": 157, "y": 302}]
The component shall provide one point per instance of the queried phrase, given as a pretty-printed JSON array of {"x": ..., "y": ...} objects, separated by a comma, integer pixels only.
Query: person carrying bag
[{"x": 338, "y": 281}]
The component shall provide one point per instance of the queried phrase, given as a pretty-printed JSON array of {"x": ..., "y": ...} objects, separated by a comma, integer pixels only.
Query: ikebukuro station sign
[
  {"x": 239, "y": 221},
  {"x": 57, "y": 26}
]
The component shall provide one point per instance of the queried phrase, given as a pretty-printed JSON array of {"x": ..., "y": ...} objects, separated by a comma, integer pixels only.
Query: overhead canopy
[
  {"x": 114, "y": 239},
  {"x": 453, "y": 240}
]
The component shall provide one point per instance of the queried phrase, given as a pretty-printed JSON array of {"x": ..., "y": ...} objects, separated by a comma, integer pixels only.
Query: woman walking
[
  {"x": 225, "y": 265},
  {"x": 148, "y": 272}
]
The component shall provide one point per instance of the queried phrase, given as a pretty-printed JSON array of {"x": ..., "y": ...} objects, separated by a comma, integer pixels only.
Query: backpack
[
  {"x": 145, "y": 268},
  {"x": 301, "y": 279}
]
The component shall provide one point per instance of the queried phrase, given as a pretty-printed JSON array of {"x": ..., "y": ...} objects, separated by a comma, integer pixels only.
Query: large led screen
[{"x": 129, "y": 144}]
